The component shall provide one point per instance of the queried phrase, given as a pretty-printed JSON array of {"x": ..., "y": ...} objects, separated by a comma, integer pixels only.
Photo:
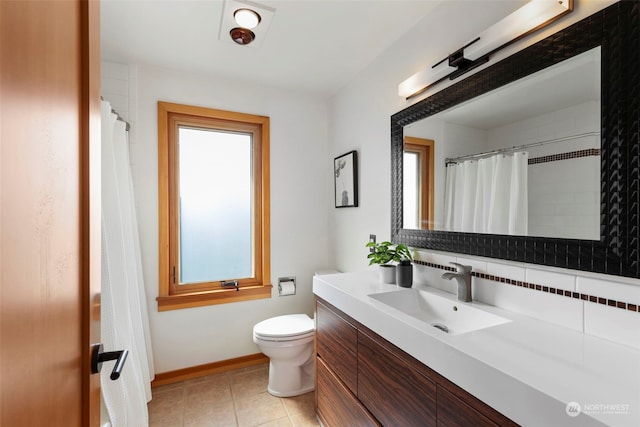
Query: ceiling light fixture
[
  {"x": 247, "y": 18},
  {"x": 529, "y": 18},
  {"x": 244, "y": 22}
]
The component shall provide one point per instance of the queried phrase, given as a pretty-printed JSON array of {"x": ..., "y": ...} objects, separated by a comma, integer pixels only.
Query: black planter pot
[{"x": 404, "y": 274}]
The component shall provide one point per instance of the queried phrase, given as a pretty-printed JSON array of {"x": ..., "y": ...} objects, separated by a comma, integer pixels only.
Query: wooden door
[{"x": 49, "y": 212}]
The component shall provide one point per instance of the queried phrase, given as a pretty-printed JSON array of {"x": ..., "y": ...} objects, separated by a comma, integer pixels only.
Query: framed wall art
[{"x": 345, "y": 178}]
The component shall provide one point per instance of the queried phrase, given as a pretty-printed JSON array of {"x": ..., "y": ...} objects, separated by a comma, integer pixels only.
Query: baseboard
[{"x": 208, "y": 369}]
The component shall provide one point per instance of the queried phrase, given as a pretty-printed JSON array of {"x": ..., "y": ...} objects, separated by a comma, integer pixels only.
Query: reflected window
[
  {"x": 418, "y": 192},
  {"x": 411, "y": 196}
]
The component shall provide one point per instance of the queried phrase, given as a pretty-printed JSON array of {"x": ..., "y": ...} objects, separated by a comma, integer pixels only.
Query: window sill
[{"x": 224, "y": 296}]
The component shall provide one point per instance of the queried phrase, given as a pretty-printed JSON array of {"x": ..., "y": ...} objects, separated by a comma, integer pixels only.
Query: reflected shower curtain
[
  {"x": 124, "y": 318},
  {"x": 488, "y": 195}
]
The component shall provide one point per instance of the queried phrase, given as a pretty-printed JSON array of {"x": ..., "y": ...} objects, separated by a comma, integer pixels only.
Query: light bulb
[{"x": 246, "y": 18}]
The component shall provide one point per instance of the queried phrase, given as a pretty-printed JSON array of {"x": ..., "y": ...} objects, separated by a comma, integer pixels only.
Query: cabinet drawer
[
  {"x": 336, "y": 344},
  {"x": 337, "y": 407},
  {"x": 393, "y": 390},
  {"x": 453, "y": 411}
]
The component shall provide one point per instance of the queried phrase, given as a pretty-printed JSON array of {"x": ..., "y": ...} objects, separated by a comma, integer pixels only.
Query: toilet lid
[{"x": 284, "y": 326}]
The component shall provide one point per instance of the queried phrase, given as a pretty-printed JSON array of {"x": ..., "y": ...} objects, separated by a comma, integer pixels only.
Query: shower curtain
[
  {"x": 124, "y": 318},
  {"x": 488, "y": 195}
]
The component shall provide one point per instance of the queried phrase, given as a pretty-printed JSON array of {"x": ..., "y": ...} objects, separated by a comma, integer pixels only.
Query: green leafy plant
[{"x": 385, "y": 252}]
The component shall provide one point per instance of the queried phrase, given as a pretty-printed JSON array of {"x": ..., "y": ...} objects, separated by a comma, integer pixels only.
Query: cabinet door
[
  {"x": 336, "y": 344},
  {"x": 391, "y": 389},
  {"x": 454, "y": 412},
  {"x": 336, "y": 405}
]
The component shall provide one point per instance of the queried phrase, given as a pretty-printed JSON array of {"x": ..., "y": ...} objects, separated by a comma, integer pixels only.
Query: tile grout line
[
  {"x": 184, "y": 402},
  {"x": 187, "y": 416}
]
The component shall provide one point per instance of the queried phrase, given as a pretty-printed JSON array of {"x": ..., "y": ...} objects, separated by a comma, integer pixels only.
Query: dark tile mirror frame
[{"x": 617, "y": 30}]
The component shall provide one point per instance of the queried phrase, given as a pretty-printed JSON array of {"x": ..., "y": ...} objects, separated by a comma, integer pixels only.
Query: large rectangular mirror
[
  {"x": 570, "y": 103},
  {"x": 523, "y": 159}
]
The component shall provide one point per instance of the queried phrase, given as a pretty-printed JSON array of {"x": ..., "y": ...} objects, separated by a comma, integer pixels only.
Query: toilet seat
[{"x": 289, "y": 327}]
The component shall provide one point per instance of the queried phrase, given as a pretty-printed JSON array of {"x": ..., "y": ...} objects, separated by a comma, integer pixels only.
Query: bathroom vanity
[
  {"x": 365, "y": 380},
  {"x": 377, "y": 364}
]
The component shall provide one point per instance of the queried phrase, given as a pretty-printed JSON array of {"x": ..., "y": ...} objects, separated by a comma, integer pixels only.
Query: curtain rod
[
  {"x": 127, "y": 126},
  {"x": 517, "y": 148},
  {"x": 118, "y": 117}
]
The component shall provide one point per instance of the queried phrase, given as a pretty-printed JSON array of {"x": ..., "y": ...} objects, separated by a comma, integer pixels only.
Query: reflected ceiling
[{"x": 570, "y": 83}]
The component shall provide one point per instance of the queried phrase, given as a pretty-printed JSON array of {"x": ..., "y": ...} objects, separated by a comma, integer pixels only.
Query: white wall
[
  {"x": 360, "y": 112},
  {"x": 300, "y": 194}
]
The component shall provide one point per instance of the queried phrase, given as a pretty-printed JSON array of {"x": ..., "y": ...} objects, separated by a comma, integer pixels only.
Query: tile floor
[{"x": 234, "y": 398}]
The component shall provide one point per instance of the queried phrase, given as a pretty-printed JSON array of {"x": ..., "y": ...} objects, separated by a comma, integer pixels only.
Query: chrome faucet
[{"x": 463, "y": 277}]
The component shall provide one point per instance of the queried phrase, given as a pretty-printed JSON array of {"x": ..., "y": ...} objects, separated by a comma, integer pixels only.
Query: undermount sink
[{"x": 435, "y": 311}]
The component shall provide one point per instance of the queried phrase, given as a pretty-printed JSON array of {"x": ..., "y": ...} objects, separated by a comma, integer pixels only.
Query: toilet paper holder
[{"x": 286, "y": 286}]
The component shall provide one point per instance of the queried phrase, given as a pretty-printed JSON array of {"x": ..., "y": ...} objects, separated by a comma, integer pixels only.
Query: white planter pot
[{"x": 387, "y": 274}]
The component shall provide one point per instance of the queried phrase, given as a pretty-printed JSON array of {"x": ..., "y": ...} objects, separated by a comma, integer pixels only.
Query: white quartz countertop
[{"x": 527, "y": 369}]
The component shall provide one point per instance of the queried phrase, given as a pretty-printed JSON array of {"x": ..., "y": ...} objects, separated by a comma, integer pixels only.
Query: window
[{"x": 213, "y": 188}]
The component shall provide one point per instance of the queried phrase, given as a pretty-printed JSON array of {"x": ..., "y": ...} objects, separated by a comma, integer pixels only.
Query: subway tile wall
[
  {"x": 604, "y": 306},
  {"x": 115, "y": 87},
  {"x": 564, "y": 195},
  {"x": 117, "y": 81}
]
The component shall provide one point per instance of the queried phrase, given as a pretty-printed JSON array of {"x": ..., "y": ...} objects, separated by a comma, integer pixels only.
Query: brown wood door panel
[
  {"x": 337, "y": 407},
  {"x": 50, "y": 212},
  {"x": 393, "y": 391},
  {"x": 336, "y": 344}
]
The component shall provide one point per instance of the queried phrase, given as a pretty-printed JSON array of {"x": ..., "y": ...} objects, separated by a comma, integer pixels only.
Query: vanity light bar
[
  {"x": 424, "y": 79},
  {"x": 532, "y": 16}
]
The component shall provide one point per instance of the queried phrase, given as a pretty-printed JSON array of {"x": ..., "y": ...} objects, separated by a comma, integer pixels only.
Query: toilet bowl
[{"x": 288, "y": 342}]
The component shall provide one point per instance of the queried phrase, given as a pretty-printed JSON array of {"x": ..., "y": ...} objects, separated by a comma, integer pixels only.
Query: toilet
[{"x": 288, "y": 342}]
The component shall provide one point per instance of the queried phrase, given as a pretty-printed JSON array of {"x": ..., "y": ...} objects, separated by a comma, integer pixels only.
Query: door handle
[{"x": 98, "y": 356}]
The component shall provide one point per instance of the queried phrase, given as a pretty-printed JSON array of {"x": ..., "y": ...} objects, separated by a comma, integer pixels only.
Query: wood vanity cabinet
[
  {"x": 337, "y": 344},
  {"x": 336, "y": 405},
  {"x": 362, "y": 380},
  {"x": 392, "y": 387},
  {"x": 454, "y": 412},
  {"x": 337, "y": 370}
]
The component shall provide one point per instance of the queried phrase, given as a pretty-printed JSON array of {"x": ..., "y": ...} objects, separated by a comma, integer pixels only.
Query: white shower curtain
[
  {"x": 124, "y": 318},
  {"x": 488, "y": 195}
]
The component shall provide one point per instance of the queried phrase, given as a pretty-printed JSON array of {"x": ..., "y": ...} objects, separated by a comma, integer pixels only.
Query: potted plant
[{"x": 385, "y": 254}]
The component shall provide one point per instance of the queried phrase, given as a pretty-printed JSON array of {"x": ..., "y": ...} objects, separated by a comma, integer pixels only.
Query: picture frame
[{"x": 345, "y": 179}]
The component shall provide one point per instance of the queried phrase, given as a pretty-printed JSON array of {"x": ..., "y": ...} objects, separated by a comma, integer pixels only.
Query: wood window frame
[
  {"x": 425, "y": 149},
  {"x": 171, "y": 295}
]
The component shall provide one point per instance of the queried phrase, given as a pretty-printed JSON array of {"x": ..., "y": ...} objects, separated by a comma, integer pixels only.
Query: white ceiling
[{"x": 316, "y": 46}]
